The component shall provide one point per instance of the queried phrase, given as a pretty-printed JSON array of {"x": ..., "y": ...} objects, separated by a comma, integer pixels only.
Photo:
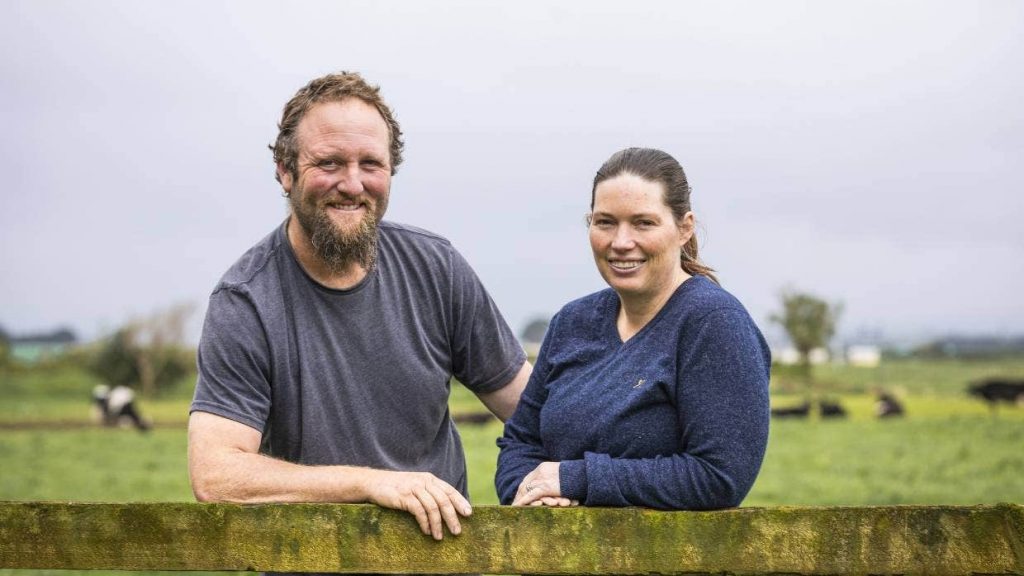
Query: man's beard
[{"x": 337, "y": 249}]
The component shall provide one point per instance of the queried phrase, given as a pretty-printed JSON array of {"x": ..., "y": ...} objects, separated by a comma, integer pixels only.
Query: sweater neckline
[{"x": 615, "y": 304}]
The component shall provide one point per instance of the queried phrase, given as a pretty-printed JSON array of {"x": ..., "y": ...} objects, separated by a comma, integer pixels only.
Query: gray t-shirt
[{"x": 358, "y": 376}]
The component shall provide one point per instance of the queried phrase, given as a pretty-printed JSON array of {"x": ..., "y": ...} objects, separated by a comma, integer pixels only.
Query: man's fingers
[
  {"x": 433, "y": 512},
  {"x": 414, "y": 507},
  {"x": 446, "y": 509},
  {"x": 462, "y": 506},
  {"x": 432, "y": 501}
]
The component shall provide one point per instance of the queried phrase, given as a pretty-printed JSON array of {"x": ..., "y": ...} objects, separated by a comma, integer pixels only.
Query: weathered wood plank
[{"x": 499, "y": 540}]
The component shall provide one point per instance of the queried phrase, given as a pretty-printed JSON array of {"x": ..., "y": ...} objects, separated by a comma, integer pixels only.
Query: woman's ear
[{"x": 687, "y": 225}]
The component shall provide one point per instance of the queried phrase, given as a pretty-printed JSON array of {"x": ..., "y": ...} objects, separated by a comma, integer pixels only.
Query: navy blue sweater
[{"x": 674, "y": 418}]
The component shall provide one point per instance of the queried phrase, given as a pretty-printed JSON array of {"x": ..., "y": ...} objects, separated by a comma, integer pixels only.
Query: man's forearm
[
  {"x": 244, "y": 477},
  {"x": 226, "y": 466}
]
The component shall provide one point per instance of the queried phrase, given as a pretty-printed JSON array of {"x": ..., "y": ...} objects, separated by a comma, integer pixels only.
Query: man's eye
[
  {"x": 327, "y": 164},
  {"x": 603, "y": 223},
  {"x": 645, "y": 224}
]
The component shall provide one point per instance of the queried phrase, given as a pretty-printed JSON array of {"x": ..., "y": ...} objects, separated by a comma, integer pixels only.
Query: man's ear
[{"x": 284, "y": 176}]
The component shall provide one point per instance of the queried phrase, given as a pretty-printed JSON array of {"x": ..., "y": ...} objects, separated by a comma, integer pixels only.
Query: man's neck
[{"x": 352, "y": 274}]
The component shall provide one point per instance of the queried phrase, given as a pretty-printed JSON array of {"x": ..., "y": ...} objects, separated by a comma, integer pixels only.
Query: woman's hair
[{"x": 657, "y": 166}]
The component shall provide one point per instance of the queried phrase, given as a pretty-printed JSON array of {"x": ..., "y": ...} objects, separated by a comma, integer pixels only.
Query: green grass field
[
  {"x": 950, "y": 449},
  {"x": 927, "y": 459}
]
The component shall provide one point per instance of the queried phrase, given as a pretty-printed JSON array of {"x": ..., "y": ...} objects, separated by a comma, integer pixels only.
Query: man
[{"x": 328, "y": 347}]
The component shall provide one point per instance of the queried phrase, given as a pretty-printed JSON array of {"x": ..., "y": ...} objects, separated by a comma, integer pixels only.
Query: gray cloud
[{"x": 867, "y": 151}]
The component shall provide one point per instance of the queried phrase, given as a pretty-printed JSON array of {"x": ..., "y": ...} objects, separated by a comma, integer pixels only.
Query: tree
[
  {"x": 114, "y": 361},
  {"x": 809, "y": 321},
  {"x": 534, "y": 331},
  {"x": 533, "y": 335},
  {"x": 148, "y": 353},
  {"x": 5, "y": 347}
]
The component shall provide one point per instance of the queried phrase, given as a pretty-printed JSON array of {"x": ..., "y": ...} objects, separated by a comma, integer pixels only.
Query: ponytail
[{"x": 691, "y": 262}]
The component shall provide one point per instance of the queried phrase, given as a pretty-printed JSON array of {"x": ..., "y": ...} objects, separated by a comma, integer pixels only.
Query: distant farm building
[
  {"x": 38, "y": 347},
  {"x": 864, "y": 356},
  {"x": 789, "y": 356}
]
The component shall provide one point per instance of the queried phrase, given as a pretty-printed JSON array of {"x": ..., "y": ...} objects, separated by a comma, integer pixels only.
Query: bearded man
[{"x": 328, "y": 347}]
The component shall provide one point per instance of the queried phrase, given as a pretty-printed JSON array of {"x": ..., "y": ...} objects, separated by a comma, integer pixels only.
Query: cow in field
[
  {"x": 996, "y": 390},
  {"x": 116, "y": 406},
  {"x": 831, "y": 409},
  {"x": 798, "y": 411},
  {"x": 888, "y": 406}
]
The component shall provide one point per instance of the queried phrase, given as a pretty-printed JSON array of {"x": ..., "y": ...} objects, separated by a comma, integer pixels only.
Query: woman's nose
[{"x": 623, "y": 239}]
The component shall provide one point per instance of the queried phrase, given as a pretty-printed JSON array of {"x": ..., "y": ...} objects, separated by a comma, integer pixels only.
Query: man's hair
[{"x": 330, "y": 88}]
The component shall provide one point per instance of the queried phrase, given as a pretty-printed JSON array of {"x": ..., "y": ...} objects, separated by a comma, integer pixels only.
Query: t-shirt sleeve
[
  {"x": 485, "y": 353},
  {"x": 233, "y": 362}
]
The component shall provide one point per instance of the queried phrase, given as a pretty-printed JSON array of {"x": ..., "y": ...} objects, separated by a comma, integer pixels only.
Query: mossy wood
[{"x": 501, "y": 540}]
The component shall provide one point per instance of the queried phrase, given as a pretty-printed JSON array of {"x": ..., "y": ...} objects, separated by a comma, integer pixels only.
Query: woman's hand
[{"x": 542, "y": 488}]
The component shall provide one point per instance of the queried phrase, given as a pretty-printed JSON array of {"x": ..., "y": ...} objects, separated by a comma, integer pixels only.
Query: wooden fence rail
[{"x": 499, "y": 540}]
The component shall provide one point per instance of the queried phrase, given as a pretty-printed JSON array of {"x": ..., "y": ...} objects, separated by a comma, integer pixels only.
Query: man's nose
[{"x": 350, "y": 180}]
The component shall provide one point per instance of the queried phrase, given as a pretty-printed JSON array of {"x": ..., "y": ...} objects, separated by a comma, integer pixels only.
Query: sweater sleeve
[
  {"x": 722, "y": 405},
  {"x": 520, "y": 444}
]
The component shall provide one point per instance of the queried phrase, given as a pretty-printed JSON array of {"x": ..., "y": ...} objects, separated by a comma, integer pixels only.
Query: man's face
[{"x": 343, "y": 178}]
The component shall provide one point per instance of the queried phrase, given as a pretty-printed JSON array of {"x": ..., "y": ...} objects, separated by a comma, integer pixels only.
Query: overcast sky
[{"x": 869, "y": 152}]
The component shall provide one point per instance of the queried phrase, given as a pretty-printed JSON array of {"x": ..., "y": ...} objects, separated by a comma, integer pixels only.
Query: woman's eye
[{"x": 602, "y": 222}]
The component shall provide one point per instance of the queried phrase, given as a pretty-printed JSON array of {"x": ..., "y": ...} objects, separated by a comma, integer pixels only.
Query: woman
[{"x": 653, "y": 392}]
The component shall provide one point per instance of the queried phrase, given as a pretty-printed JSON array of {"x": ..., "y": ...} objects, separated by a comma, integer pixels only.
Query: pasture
[
  {"x": 950, "y": 449},
  {"x": 959, "y": 459}
]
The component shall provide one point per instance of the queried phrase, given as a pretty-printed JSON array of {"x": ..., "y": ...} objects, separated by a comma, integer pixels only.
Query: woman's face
[{"x": 635, "y": 238}]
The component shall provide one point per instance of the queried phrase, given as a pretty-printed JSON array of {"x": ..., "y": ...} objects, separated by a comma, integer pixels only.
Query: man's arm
[
  {"x": 225, "y": 466},
  {"x": 503, "y": 401}
]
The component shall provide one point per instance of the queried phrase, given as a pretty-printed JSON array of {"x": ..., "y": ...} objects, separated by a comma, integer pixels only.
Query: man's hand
[
  {"x": 225, "y": 466},
  {"x": 432, "y": 501},
  {"x": 542, "y": 488}
]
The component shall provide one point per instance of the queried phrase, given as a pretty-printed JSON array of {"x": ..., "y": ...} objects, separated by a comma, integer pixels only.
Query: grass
[
  {"x": 971, "y": 459},
  {"x": 927, "y": 458},
  {"x": 943, "y": 377},
  {"x": 94, "y": 465},
  {"x": 950, "y": 449}
]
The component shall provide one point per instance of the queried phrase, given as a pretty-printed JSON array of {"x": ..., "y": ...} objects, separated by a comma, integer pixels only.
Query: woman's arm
[{"x": 521, "y": 447}]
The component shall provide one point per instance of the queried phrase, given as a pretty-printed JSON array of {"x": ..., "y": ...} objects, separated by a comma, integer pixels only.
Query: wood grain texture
[{"x": 934, "y": 540}]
